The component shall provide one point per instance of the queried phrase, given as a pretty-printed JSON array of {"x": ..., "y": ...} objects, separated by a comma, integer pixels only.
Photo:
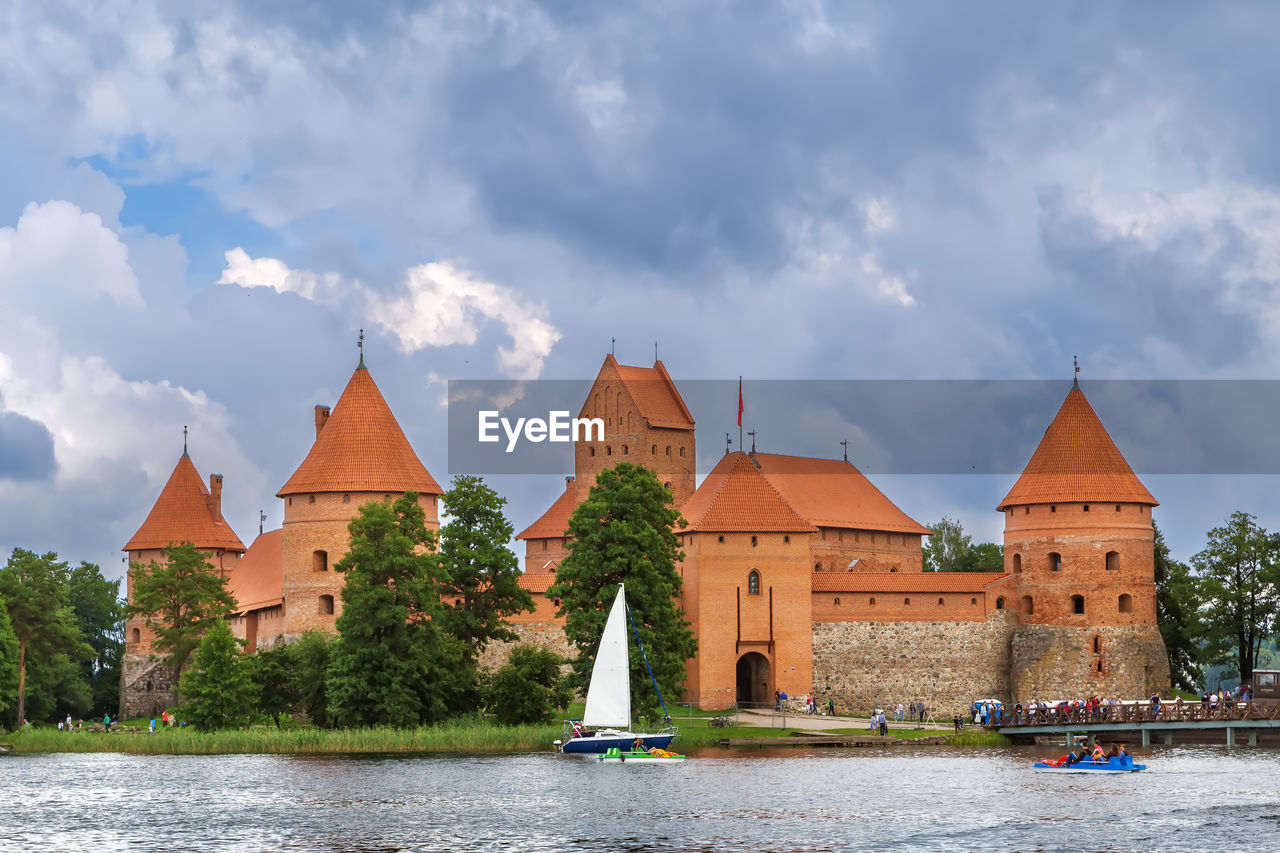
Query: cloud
[{"x": 437, "y": 305}]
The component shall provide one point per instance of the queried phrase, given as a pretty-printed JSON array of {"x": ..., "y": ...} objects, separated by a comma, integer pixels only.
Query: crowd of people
[{"x": 1102, "y": 709}]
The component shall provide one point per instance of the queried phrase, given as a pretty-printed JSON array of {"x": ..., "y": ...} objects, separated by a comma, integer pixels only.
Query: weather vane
[
  {"x": 184, "y": 439},
  {"x": 1076, "y": 362},
  {"x": 360, "y": 346},
  {"x": 752, "y": 433},
  {"x": 845, "y": 445}
]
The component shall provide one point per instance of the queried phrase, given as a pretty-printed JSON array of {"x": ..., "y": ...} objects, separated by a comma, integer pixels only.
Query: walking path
[{"x": 817, "y": 722}]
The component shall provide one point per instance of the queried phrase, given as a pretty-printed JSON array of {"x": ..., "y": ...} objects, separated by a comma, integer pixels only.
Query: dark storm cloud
[{"x": 26, "y": 448}]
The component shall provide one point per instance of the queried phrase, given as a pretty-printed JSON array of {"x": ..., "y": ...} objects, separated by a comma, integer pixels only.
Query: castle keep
[{"x": 799, "y": 574}]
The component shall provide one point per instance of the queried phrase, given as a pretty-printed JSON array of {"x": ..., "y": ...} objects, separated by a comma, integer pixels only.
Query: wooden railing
[{"x": 1165, "y": 712}]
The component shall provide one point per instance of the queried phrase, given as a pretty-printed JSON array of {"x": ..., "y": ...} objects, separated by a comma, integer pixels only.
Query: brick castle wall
[{"x": 946, "y": 665}]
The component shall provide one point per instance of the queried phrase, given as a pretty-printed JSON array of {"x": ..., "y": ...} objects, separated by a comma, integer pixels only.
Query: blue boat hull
[
  {"x": 1111, "y": 765},
  {"x": 594, "y": 745}
]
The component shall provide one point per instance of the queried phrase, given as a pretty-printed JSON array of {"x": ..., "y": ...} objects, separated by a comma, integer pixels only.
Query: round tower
[
  {"x": 1079, "y": 539},
  {"x": 360, "y": 455}
]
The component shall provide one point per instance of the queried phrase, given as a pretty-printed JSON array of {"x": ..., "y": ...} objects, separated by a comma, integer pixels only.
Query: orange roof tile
[
  {"x": 737, "y": 496},
  {"x": 833, "y": 493},
  {"x": 183, "y": 513},
  {"x": 553, "y": 523},
  {"x": 537, "y": 581},
  {"x": 1077, "y": 461},
  {"x": 361, "y": 449},
  {"x": 655, "y": 394},
  {"x": 257, "y": 580},
  {"x": 904, "y": 581}
]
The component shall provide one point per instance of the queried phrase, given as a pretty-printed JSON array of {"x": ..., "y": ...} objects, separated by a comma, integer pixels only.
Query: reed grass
[{"x": 460, "y": 736}]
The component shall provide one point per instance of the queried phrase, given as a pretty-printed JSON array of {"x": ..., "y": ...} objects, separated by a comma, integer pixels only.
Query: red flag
[{"x": 739, "y": 401}]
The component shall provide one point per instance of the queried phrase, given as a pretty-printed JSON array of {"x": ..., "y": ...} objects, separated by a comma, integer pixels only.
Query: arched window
[
  {"x": 1055, "y": 561},
  {"x": 1017, "y": 563},
  {"x": 626, "y": 451},
  {"x": 835, "y": 600},
  {"x": 319, "y": 561},
  {"x": 753, "y": 582},
  {"x": 668, "y": 450},
  {"x": 682, "y": 451},
  {"x": 1097, "y": 645},
  {"x": 999, "y": 604},
  {"x": 608, "y": 451},
  {"x": 873, "y": 600},
  {"x": 939, "y": 601},
  {"x": 1077, "y": 604},
  {"x": 653, "y": 451},
  {"x": 326, "y": 605},
  {"x": 1126, "y": 603},
  {"x": 906, "y": 601},
  {"x": 753, "y": 542},
  {"x": 1028, "y": 605},
  {"x": 591, "y": 451},
  {"x": 817, "y": 567},
  {"x": 346, "y": 499},
  {"x": 135, "y": 636},
  {"x": 1113, "y": 561},
  {"x": 973, "y": 601}
]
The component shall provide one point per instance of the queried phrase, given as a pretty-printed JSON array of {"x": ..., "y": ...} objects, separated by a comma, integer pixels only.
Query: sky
[{"x": 202, "y": 204}]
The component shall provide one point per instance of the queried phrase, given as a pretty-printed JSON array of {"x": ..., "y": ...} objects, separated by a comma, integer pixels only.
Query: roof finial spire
[
  {"x": 262, "y": 518},
  {"x": 845, "y": 445},
  {"x": 655, "y": 352},
  {"x": 1075, "y": 383},
  {"x": 360, "y": 346},
  {"x": 613, "y": 346},
  {"x": 752, "y": 433},
  {"x": 728, "y": 444},
  {"x": 184, "y": 439}
]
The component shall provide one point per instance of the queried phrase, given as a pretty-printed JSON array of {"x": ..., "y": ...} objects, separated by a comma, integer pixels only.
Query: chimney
[
  {"x": 568, "y": 480},
  {"x": 322, "y": 416},
  {"x": 215, "y": 495}
]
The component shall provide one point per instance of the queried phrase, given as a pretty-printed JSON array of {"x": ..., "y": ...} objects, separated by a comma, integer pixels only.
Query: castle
[{"x": 799, "y": 574}]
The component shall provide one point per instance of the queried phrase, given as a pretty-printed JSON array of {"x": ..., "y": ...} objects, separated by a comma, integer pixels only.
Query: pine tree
[
  {"x": 480, "y": 582},
  {"x": 8, "y": 663},
  {"x": 217, "y": 690},
  {"x": 180, "y": 598},
  {"x": 624, "y": 533},
  {"x": 99, "y": 613},
  {"x": 391, "y": 664}
]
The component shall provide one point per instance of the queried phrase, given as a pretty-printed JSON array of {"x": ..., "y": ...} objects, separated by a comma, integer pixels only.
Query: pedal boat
[
  {"x": 1114, "y": 764},
  {"x": 639, "y": 756}
]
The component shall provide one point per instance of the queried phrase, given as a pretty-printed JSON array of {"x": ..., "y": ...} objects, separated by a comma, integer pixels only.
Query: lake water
[{"x": 1194, "y": 798}]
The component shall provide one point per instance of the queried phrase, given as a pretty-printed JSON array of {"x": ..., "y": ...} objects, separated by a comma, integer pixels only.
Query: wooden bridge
[{"x": 1193, "y": 719}]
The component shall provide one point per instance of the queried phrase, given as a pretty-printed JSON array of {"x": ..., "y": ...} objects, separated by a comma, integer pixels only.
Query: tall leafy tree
[
  {"x": 275, "y": 681},
  {"x": 984, "y": 557},
  {"x": 947, "y": 548},
  {"x": 8, "y": 663},
  {"x": 99, "y": 614},
  {"x": 1238, "y": 591},
  {"x": 480, "y": 582},
  {"x": 33, "y": 588},
  {"x": 1177, "y": 615},
  {"x": 624, "y": 533},
  {"x": 217, "y": 690},
  {"x": 391, "y": 664},
  {"x": 180, "y": 599},
  {"x": 309, "y": 662}
]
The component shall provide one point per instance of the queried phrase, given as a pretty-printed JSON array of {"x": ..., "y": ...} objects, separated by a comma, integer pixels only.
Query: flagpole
[{"x": 739, "y": 412}]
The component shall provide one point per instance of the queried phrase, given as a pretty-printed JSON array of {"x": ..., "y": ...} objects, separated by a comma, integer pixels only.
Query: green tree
[
  {"x": 947, "y": 548},
  {"x": 480, "y": 582},
  {"x": 180, "y": 598},
  {"x": 624, "y": 533},
  {"x": 33, "y": 588},
  {"x": 391, "y": 664},
  {"x": 1237, "y": 591},
  {"x": 1178, "y": 617},
  {"x": 275, "y": 681},
  {"x": 529, "y": 688},
  {"x": 217, "y": 690},
  {"x": 99, "y": 614},
  {"x": 984, "y": 557},
  {"x": 8, "y": 663},
  {"x": 309, "y": 661}
]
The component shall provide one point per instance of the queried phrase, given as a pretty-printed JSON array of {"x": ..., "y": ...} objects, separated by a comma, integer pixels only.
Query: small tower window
[
  {"x": 836, "y": 600},
  {"x": 326, "y": 605},
  {"x": 1017, "y": 563},
  {"x": 346, "y": 499},
  {"x": 653, "y": 451},
  {"x": 668, "y": 450},
  {"x": 786, "y": 540},
  {"x": 608, "y": 451},
  {"x": 151, "y": 686},
  {"x": 135, "y": 636},
  {"x": 720, "y": 538},
  {"x": 1052, "y": 508},
  {"x": 1126, "y": 603},
  {"x": 1055, "y": 561},
  {"x": 753, "y": 583},
  {"x": 754, "y": 541},
  {"x": 939, "y": 601},
  {"x": 682, "y": 451},
  {"x": 626, "y": 451},
  {"x": 906, "y": 601},
  {"x": 817, "y": 567},
  {"x": 1026, "y": 510},
  {"x": 319, "y": 561},
  {"x": 312, "y": 499},
  {"x": 1117, "y": 507},
  {"x": 1086, "y": 507},
  {"x": 999, "y": 604},
  {"x": 1097, "y": 645},
  {"x": 973, "y": 601},
  {"x": 1113, "y": 561},
  {"x": 1028, "y": 605},
  {"x": 1077, "y": 604},
  {"x": 872, "y": 601}
]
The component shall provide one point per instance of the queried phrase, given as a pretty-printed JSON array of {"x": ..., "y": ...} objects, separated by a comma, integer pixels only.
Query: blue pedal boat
[{"x": 1114, "y": 764}]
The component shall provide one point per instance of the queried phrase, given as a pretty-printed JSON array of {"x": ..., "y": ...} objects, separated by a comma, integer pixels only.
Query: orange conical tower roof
[
  {"x": 1077, "y": 462},
  {"x": 185, "y": 513},
  {"x": 737, "y": 496},
  {"x": 361, "y": 448}
]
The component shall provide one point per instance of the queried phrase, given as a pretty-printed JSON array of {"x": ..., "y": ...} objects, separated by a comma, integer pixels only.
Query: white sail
[{"x": 609, "y": 694}]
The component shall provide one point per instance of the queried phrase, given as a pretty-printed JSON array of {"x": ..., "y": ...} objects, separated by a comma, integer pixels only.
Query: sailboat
[{"x": 606, "y": 722}]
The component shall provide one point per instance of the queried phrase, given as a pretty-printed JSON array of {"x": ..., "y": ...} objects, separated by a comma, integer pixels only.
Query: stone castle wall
[
  {"x": 1052, "y": 662},
  {"x": 146, "y": 686},
  {"x": 863, "y": 665},
  {"x": 546, "y": 635}
]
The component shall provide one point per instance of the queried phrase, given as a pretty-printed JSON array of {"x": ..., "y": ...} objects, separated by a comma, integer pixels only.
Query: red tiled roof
[
  {"x": 183, "y": 513},
  {"x": 655, "y": 394},
  {"x": 553, "y": 522},
  {"x": 361, "y": 449},
  {"x": 257, "y": 580},
  {"x": 1077, "y": 461},
  {"x": 736, "y": 496},
  {"x": 904, "y": 581},
  {"x": 833, "y": 493},
  {"x": 537, "y": 581}
]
